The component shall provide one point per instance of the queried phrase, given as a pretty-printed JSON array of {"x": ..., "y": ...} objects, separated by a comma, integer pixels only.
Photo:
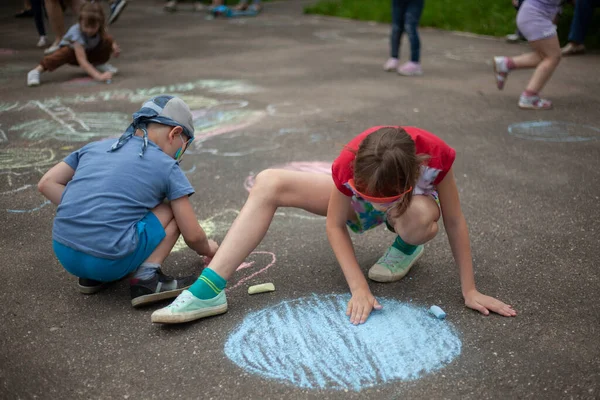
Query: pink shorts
[{"x": 535, "y": 23}]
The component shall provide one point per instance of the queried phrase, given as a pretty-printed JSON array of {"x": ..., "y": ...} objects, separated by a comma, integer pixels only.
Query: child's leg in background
[
  {"x": 548, "y": 51},
  {"x": 56, "y": 19},
  {"x": 62, "y": 56},
  {"x": 101, "y": 53},
  {"x": 412, "y": 16},
  {"x": 398, "y": 13},
  {"x": 38, "y": 16},
  {"x": 414, "y": 9},
  {"x": 416, "y": 226}
]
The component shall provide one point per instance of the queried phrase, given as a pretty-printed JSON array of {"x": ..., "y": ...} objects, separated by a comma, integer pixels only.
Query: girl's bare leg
[
  {"x": 549, "y": 51},
  {"x": 56, "y": 19},
  {"x": 418, "y": 225},
  {"x": 272, "y": 189}
]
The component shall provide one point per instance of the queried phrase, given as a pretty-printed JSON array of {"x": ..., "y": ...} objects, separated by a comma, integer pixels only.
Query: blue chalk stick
[{"x": 437, "y": 312}]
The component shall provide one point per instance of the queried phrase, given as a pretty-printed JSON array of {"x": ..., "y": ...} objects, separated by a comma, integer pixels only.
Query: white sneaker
[
  {"x": 107, "y": 68},
  {"x": 51, "y": 49},
  {"x": 170, "y": 6},
  {"x": 391, "y": 64},
  {"x": 188, "y": 307},
  {"x": 33, "y": 78},
  {"x": 42, "y": 42},
  {"x": 500, "y": 71}
]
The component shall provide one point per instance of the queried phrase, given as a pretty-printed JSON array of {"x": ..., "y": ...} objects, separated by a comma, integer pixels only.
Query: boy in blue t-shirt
[{"x": 112, "y": 219}]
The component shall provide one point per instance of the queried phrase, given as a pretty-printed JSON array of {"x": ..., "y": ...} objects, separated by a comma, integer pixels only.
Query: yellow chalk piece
[{"x": 263, "y": 287}]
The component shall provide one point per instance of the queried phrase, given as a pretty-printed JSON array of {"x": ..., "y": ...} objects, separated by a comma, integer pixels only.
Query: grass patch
[{"x": 485, "y": 17}]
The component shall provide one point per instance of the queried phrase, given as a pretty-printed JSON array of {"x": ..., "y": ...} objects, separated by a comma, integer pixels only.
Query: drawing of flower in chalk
[
  {"x": 318, "y": 167},
  {"x": 310, "y": 343}
]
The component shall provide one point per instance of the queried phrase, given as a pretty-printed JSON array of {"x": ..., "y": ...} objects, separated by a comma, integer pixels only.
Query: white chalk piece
[
  {"x": 437, "y": 312},
  {"x": 263, "y": 287}
]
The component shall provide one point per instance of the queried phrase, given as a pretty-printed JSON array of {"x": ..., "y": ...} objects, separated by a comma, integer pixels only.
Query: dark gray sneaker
[
  {"x": 90, "y": 286},
  {"x": 159, "y": 287}
]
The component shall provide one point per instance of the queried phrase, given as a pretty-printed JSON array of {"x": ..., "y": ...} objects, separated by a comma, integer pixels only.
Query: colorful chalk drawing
[
  {"x": 22, "y": 191},
  {"x": 218, "y": 224},
  {"x": 318, "y": 167},
  {"x": 222, "y": 117},
  {"x": 60, "y": 121},
  {"x": 289, "y": 109},
  {"x": 7, "y": 52},
  {"x": 554, "y": 131},
  {"x": 311, "y": 344},
  {"x": 12, "y": 158},
  {"x": 250, "y": 264}
]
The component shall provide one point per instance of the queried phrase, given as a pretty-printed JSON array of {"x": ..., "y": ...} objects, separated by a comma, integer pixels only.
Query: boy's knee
[{"x": 172, "y": 230}]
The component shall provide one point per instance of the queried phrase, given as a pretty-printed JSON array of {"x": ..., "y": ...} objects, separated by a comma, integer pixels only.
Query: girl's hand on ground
[
  {"x": 484, "y": 304},
  {"x": 105, "y": 76},
  {"x": 360, "y": 306},
  {"x": 116, "y": 49}
]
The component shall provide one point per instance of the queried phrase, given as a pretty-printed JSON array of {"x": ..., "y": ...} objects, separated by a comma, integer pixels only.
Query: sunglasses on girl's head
[{"x": 381, "y": 201}]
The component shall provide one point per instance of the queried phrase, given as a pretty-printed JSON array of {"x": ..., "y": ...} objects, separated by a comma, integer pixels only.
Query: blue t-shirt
[
  {"x": 111, "y": 192},
  {"x": 74, "y": 34}
]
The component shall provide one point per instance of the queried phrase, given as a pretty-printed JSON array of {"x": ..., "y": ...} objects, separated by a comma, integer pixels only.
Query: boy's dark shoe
[
  {"x": 159, "y": 287},
  {"x": 90, "y": 286}
]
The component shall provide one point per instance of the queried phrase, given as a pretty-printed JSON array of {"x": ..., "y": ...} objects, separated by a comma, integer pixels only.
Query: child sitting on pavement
[
  {"x": 112, "y": 218},
  {"x": 85, "y": 44}
]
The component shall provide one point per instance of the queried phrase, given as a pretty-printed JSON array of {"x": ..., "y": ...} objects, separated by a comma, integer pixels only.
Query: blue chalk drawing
[
  {"x": 554, "y": 131},
  {"x": 44, "y": 204},
  {"x": 310, "y": 343}
]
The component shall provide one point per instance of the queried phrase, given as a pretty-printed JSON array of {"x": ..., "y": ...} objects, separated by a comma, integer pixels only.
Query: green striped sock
[
  {"x": 404, "y": 247},
  {"x": 208, "y": 285}
]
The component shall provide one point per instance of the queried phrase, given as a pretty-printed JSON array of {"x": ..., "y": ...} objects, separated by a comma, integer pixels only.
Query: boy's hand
[
  {"x": 105, "y": 76},
  {"x": 484, "y": 304},
  {"x": 360, "y": 306},
  {"x": 116, "y": 50}
]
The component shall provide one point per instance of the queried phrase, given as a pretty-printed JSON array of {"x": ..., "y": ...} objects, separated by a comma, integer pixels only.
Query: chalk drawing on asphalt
[
  {"x": 13, "y": 158},
  {"x": 312, "y": 344},
  {"x": 19, "y": 191},
  {"x": 248, "y": 269},
  {"x": 554, "y": 131},
  {"x": 289, "y": 109}
]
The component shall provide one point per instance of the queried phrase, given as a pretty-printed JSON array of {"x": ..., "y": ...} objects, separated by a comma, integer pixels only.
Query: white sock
[{"x": 146, "y": 271}]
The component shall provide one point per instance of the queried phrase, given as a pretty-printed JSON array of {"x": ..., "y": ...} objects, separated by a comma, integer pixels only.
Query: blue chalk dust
[
  {"x": 310, "y": 343},
  {"x": 554, "y": 131}
]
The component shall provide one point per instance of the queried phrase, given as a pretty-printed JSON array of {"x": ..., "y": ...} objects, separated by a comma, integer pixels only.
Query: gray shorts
[{"x": 535, "y": 23}]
